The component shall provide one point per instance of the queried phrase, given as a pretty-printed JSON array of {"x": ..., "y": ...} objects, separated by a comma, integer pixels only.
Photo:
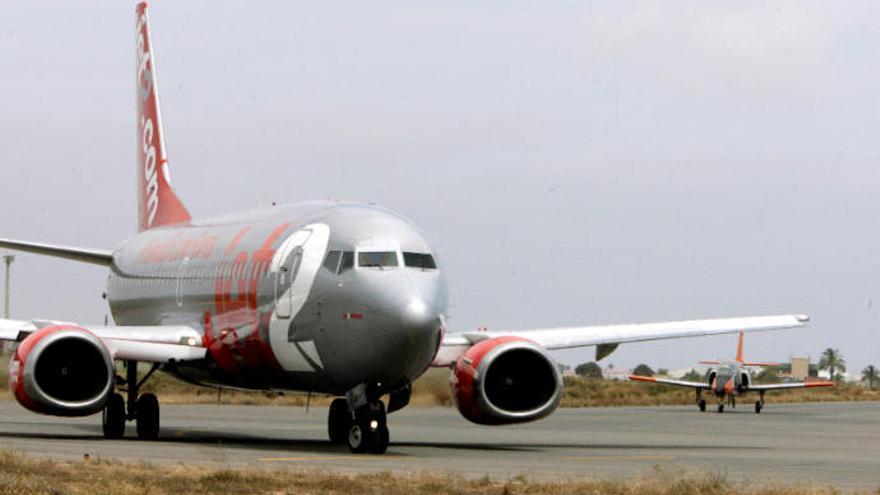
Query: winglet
[{"x": 157, "y": 203}]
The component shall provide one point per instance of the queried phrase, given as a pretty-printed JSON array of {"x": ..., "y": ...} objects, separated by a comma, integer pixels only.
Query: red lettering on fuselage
[
  {"x": 177, "y": 249},
  {"x": 235, "y": 335}
]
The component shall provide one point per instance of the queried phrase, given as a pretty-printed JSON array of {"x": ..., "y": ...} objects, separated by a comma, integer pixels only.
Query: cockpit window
[
  {"x": 331, "y": 262},
  {"x": 347, "y": 262},
  {"x": 419, "y": 260},
  {"x": 377, "y": 259}
]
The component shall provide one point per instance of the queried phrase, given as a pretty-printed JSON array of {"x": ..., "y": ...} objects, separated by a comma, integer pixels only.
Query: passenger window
[
  {"x": 377, "y": 259},
  {"x": 347, "y": 262},
  {"x": 419, "y": 260},
  {"x": 331, "y": 262}
]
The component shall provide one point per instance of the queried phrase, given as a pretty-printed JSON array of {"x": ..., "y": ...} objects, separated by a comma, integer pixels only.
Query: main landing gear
[
  {"x": 142, "y": 408},
  {"x": 760, "y": 404},
  {"x": 700, "y": 402}
]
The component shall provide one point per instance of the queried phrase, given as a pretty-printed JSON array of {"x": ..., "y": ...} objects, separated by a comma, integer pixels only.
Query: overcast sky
[{"x": 573, "y": 162}]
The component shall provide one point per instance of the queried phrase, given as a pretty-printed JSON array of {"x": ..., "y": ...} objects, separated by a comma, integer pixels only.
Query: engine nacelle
[
  {"x": 62, "y": 370},
  {"x": 506, "y": 380},
  {"x": 744, "y": 383},
  {"x": 711, "y": 379}
]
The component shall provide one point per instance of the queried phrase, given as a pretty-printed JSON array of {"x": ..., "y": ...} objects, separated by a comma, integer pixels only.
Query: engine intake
[
  {"x": 63, "y": 371},
  {"x": 506, "y": 380}
]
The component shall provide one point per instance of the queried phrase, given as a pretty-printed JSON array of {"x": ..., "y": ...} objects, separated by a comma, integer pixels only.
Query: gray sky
[{"x": 574, "y": 162}]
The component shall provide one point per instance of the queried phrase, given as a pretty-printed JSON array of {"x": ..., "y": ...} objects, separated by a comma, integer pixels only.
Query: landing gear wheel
[
  {"x": 113, "y": 417},
  {"x": 720, "y": 408},
  {"x": 702, "y": 405},
  {"x": 369, "y": 430},
  {"x": 147, "y": 412},
  {"x": 758, "y": 407},
  {"x": 381, "y": 441},
  {"x": 338, "y": 421},
  {"x": 358, "y": 438}
]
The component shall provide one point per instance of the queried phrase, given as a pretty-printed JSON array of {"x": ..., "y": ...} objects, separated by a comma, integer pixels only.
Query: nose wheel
[
  {"x": 369, "y": 429},
  {"x": 364, "y": 430}
]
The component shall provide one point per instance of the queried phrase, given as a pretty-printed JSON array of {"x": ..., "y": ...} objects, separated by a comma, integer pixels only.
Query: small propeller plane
[{"x": 732, "y": 378}]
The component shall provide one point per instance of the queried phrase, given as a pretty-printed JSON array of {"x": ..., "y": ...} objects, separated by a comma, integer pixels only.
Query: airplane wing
[
  {"x": 102, "y": 257},
  {"x": 668, "y": 381},
  {"x": 454, "y": 345},
  {"x": 782, "y": 386},
  {"x": 149, "y": 344}
]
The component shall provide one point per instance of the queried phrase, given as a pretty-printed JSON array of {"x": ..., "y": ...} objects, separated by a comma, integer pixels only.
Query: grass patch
[{"x": 25, "y": 476}]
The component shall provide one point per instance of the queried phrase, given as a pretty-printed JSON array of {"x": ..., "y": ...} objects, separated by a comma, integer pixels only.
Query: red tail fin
[
  {"x": 157, "y": 203},
  {"x": 739, "y": 349}
]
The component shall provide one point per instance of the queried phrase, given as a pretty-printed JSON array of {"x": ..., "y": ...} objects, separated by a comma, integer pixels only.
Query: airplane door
[
  {"x": 301, "y": 256},
  {"x": 283, "y": 280}
]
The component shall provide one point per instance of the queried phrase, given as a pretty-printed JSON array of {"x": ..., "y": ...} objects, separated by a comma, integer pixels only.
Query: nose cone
[
  {"x": 728, "y": 386},
  {"x": 398, "y": 334},
  {"x": 411, "y": 324}
]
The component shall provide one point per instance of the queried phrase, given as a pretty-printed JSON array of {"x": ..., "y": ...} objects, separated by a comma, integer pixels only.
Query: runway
[{"x": 828, "y": 443}]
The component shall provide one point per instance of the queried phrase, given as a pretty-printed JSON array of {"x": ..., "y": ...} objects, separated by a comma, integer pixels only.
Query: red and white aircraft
[{"x": 335, "y": 298}]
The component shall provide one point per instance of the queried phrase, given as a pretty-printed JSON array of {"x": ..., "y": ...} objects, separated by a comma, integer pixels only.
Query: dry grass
[
  {"x": 24, "y": 476},
  {"x": 433, "y": 389}
]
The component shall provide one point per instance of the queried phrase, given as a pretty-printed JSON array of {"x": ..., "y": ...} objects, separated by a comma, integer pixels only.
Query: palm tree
[
  {"x": 871, "y": 375},
  {"x": 833, "y": 362}
]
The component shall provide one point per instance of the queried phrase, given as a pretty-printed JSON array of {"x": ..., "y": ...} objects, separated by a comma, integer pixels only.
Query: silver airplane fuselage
[
  {"x": 313, "y": 297},
  {"x": 731, "y": 378}
]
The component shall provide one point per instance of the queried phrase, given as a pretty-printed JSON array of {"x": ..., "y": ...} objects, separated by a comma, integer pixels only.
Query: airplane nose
[
  {"x": 728, "y": 387},
  {"x": 416, "y": 313}
]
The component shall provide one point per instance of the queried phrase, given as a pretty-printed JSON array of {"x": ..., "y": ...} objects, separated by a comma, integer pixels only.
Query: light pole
[{"x": 8, "y": 259}]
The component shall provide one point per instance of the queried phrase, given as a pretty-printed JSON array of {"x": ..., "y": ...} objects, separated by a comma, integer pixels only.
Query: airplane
[
  {"x": 731, "y": 379},
  {"x": 336, "y": 298}
]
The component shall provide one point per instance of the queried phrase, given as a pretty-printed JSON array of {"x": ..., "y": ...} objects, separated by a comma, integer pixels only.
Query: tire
[
  {"x": 720, "y": 408},
  {"x": 358, "y": 438},
  {"x": 113, "y": 417},
  {"x": 381, "y": 441},
  {"x": 148, "y": 417},
  {"x": 702, "y": 405},
  {"x": 338, "y": 421},
  {"x": 758, "y": 407}
]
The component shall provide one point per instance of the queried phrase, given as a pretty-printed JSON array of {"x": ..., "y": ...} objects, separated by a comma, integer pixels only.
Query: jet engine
[
  {"x": 506, "y": 380},
  {"x": 62, "y": 370},
  {"x": 745, "y": 382},
  {"x": 711, "y": 379}
]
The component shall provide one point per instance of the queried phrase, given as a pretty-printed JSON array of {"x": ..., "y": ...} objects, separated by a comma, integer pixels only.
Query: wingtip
[
  {"x": 802, "y": 318},
  {"x": 819, "y": 384},
  {"x": 640, "y": 378}
]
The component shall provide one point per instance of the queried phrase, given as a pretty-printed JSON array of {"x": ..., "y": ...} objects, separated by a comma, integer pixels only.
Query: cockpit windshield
[
  {"x": 419, "y": 260},
  {"x": 377, "y": 259}
]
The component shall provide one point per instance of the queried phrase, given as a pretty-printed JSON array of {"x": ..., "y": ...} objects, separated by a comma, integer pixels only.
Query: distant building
[
  {"x": 615, "y": 374},
  {"x": 799, "y": 368}
]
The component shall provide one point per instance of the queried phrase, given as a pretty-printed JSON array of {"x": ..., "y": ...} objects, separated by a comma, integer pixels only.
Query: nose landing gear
[
  {"x": 360, "y": 422},
  {"x": 369, "y": 430}
]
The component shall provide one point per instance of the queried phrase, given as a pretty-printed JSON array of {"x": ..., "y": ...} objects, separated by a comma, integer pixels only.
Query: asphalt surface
[{"x": 836, "y": 444}]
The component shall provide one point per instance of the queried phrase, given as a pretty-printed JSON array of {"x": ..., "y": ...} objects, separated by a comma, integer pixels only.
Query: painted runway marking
[
  {"x": 325, "y": 458},
  {"x": 622, "y": 457}
]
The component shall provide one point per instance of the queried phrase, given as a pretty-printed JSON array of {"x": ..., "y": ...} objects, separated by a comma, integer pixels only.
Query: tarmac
[{"x": 825, "y": 443}]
